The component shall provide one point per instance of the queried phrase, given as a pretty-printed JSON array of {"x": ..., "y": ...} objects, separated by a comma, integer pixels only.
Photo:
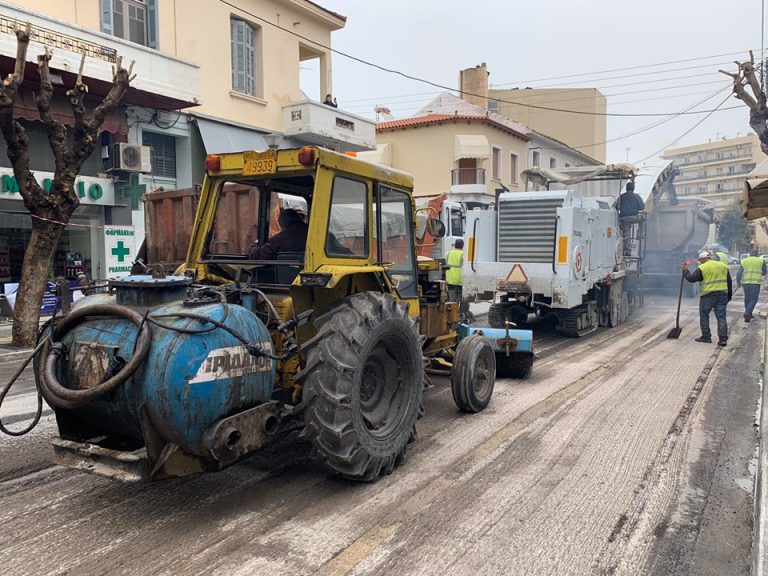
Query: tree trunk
[{"x": 34, "y": 275}]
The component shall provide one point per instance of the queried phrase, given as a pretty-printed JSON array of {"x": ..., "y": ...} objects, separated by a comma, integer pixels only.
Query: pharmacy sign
[{"x": 120, "y": 249}]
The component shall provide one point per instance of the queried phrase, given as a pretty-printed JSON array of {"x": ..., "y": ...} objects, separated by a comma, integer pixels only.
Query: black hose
[
  {"x": 7, "y": 389},
  {"x": 62, "y": 397}
]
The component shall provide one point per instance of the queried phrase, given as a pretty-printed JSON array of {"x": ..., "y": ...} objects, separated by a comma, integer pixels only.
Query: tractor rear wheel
[
  {"x": 473, "y": 374},
  {"x": 362, "y": 385}
]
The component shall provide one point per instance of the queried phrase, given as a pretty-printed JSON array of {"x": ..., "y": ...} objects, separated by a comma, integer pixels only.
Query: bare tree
[
  {"x": 50, "y": 211},
  {"x": 758, "y": 112}
]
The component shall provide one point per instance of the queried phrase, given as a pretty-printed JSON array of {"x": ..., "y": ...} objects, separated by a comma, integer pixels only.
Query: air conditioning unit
[{"x": 131, "y": 158}]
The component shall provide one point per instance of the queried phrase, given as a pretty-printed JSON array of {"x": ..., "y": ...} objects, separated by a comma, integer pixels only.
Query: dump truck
[
  {"x": 173, "y": 374},
  {"x": 557, "y": 253},
  {"x": 677, "y": 228}
]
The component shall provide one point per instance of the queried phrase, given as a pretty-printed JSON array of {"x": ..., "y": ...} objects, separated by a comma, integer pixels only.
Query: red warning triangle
[{"x": 517, "y": 275}]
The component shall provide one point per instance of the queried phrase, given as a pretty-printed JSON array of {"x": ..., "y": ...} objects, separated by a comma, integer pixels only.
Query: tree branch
[
  {"x": 758, "y": 111},
  {"x": 57, "y": 132},
  {"x": 15, "y": 136}
]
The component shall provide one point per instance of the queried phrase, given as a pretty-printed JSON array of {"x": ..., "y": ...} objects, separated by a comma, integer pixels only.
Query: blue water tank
[{"x": 187, "y": 382}]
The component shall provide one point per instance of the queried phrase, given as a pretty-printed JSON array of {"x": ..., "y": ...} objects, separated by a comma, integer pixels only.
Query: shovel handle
[{"x": 679, "y": 298}]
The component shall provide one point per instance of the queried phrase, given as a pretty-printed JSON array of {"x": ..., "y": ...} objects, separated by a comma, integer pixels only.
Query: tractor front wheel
[{"x": 362, "y": 385}]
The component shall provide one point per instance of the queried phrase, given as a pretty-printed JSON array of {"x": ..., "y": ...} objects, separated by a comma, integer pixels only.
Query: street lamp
[{"x": 273, "y": 140}]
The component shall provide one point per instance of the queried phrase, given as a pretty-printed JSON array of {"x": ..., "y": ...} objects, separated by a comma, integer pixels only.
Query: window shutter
[
  {"x": 237, "y": 49},
  {"x": 250, "y": 78},
  {"x": 152, "y": 31},
  {"x": 106, "y": 16}
]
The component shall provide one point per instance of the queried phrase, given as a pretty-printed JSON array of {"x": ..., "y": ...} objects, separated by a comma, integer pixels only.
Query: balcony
[
  {"x": 468, "y": 181},
  {"x": 161, "y": 81},
  {"x": 462, "y": 176},
  {"x": 318, "y": 124}
]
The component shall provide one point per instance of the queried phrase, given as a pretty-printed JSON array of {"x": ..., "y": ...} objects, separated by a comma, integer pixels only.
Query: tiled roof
[{"x": 427, "y": 119}]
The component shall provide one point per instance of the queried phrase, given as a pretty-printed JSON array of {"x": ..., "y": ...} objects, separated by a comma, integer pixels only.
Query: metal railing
[{"x": 467, "y": 176}]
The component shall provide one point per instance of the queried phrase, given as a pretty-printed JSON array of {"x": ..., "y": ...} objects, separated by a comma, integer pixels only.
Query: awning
[
  {"x": 382, "y": 155},
  {"x": 755, "y": 196},
  {"x": 220, "y": 138},
  {"x": 471, "y": 146}
]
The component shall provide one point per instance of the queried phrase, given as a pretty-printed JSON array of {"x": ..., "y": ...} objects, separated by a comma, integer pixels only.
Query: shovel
[{"x": 676, "y": 331}]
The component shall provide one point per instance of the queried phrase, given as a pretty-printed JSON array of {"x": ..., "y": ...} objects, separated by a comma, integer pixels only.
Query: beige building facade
[
  {"x": 538, "y": 109},
  {"x": 467, "y": 155},
  {"x": 249, "y": 63}
]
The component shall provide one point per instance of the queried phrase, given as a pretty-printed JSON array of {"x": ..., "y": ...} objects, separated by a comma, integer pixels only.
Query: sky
[{"x": 538, "y": 42}]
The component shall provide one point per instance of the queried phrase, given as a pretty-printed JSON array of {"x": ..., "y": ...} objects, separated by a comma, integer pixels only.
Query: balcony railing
[{"x": 460, "y": 176}]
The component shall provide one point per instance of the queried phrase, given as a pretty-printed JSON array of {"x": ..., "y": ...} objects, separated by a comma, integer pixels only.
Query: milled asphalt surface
[{"x": 10, "y": 359}]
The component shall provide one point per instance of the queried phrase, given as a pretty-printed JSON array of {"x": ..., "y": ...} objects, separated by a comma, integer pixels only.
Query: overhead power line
[
  {"x": 624, "y": 69},
  {"x": 684, "y": 134},
  {"x": 448, "y": 88}
]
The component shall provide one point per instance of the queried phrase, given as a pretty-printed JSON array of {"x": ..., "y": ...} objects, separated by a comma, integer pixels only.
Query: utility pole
[{"x": 628, "y": 148}]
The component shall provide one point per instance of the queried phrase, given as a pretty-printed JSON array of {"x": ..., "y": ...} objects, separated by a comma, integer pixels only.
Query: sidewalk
[{"x": 760, "y": 530}]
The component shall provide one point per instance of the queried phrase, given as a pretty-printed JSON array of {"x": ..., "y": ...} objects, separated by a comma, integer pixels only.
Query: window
[
  {"x": 731, "y": 169},
  {"x": 348, "y": 219},
  {"x": 720, "y": 170},
  {"x": 513, "y": 168},
  {"x": 493, "y": 106},
  {"x": 243, "y": 57},
  {"x": 567, "y": 165},
  {"x": 496, "y": 163},
  {"x": 535, "y": 158},
  {"x": 132, "y": 20},
  {"x": 395, "y": 244},
  {"x": 552, "y": 163},
  {"x": 457, "y": 222},
  {"x": 162, "y": 153}
]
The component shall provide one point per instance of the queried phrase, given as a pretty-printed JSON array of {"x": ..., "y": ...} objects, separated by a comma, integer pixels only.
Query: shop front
[{"x": 81, "y": 247}]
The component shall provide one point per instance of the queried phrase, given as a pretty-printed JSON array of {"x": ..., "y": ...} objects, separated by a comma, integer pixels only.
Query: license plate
[{"x": 257, "y": 163}]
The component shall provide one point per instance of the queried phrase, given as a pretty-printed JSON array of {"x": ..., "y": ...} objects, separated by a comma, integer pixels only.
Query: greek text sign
[{"x": 90, "y": 190}]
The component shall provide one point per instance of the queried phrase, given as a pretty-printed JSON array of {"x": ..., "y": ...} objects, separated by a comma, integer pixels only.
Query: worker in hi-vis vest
[
  {"x": 716, "y": 292},
  {"x": 454, "y": 260},
  {"x": 750, "y": 276}
]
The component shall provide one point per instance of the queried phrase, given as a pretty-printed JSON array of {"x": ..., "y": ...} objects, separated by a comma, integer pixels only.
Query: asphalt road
[{"x": 625, "y": 453}]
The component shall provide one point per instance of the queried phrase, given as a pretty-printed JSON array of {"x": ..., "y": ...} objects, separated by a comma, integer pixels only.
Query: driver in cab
[{"x": 291, "y": 238}]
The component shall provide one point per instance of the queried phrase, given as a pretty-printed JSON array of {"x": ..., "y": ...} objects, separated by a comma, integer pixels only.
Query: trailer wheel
[
  {"x": 362, "y": 385},
  {"x": 516, "y": 365},
  {"x": 473, "y": 374}
]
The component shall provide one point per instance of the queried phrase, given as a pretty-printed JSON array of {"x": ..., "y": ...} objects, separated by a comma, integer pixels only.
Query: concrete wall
[
  {"x": 427, "y": 152},
  {"x": 572, "y": 129}
]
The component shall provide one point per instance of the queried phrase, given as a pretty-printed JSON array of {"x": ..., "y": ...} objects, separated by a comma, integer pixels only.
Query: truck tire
[
  {"x": 516, "y": 365},
  {"x": 362, "y": 385},
  {"x": 473, "y": 374}
]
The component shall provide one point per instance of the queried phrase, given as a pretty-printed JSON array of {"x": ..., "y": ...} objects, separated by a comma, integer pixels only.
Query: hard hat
[{"x": 705, "y": 254}]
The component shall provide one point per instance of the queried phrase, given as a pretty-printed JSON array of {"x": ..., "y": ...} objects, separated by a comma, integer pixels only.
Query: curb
[{"x": 760, "y": 530}]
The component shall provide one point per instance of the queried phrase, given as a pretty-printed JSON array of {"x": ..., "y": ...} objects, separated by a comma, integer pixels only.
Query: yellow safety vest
[
  {"x": 715, "y": 275},
  {"x": 454, "y": 260},
  {"x": 753, "y": 270},
  {"x": 722, "y": 257}
]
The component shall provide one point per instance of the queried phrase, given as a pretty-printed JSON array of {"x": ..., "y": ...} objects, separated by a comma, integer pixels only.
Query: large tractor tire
[
  {"x": 473, "y": 374},
  {"x": 363, "y": 385},
  {"x": 516, "y": 365}
]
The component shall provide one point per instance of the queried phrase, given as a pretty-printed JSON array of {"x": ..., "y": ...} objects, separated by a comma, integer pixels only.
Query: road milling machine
[
  {"x": 172, "y": 374},
  {"x": 558, "y": 253}
]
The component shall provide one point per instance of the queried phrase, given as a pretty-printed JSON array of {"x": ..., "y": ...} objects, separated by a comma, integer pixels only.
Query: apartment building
[
  {"x": 210, "y": 77},
  {"x": 717, "y": 171}
]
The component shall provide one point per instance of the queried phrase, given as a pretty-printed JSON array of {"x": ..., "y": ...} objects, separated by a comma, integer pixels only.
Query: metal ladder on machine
[{"x": 636, "y": 254}]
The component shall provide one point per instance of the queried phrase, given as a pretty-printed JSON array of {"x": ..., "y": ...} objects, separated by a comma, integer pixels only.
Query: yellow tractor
[{"x": 301, "y": 305}]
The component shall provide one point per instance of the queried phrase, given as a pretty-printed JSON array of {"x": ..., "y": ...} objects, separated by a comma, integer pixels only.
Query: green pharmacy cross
[
  {"x": 121, "y": 251},
  {"x": 134, "y": 191}
]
